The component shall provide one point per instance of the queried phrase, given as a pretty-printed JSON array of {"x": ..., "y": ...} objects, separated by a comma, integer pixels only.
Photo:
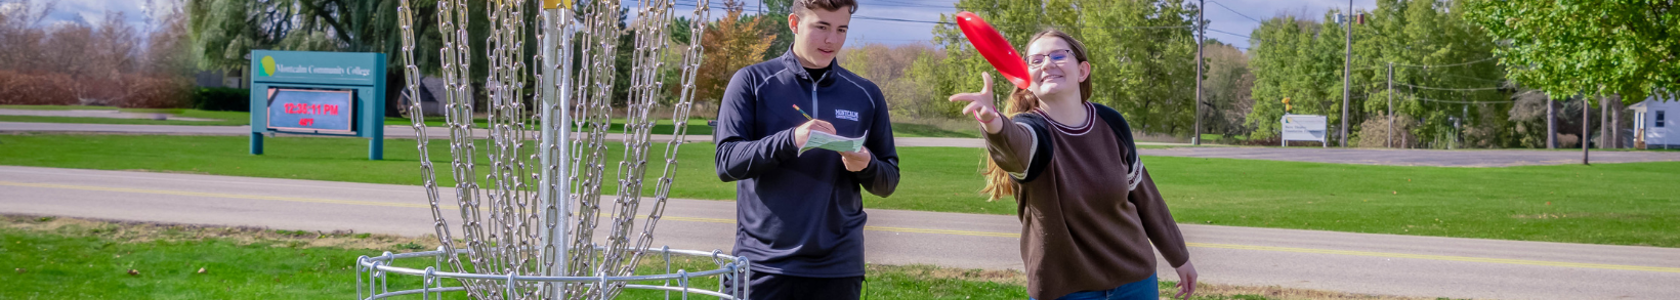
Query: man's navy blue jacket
[{"x": 801, "y": 215}]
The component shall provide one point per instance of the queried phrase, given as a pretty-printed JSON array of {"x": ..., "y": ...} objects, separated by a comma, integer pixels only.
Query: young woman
[{"x": 1089, "y": 211}]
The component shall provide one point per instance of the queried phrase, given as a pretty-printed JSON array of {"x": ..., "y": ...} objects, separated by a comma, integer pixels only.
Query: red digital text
[{"x": 311, "y": 109}]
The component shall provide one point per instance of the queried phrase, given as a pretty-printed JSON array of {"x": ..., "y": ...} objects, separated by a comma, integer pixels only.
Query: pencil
[{"x": 802, "y": 112}]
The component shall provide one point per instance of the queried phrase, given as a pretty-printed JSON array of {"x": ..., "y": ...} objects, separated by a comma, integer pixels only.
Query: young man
[{"x": 800, "y": 216}]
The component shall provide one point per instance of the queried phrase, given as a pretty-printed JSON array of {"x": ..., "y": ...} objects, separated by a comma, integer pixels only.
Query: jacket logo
[{"x": 846, "y": 114}]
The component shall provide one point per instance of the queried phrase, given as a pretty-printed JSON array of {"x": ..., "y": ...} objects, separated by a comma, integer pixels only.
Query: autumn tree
[{"x": 731, "y": 43}]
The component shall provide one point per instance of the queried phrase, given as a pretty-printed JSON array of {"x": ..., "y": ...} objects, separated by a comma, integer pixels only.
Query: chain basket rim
[{"x": 376, "y": 270}]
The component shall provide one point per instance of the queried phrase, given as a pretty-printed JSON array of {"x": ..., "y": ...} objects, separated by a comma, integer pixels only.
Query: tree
[
  {"x": 1227, "y": 86},
  {"x": 726, "y": 42},
  {"x": 1445, "y": 81},
  {"x": 224, "y": 32},
  {"x": 893, "y": 68},
  {"x": 775, "y": 26},
  {"x": 1142, "y": 53},
  {"x": 1587, "y": 47},
  {"x": 21, "y": 36}
]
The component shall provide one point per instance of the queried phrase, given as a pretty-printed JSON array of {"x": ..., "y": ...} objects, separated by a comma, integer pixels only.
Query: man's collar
[{"x": 791, "y": 61}]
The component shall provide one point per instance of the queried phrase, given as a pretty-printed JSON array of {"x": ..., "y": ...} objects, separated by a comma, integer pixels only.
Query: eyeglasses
[{"x": 1039, "y": 60}]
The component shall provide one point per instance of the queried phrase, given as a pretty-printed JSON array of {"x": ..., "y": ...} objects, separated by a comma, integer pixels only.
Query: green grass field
[
  {"x": 696, "y": 126},
  {"x": 91, "y": 260},
  {"x": 56, "y": 258},
  {"x": 1620, "y": 204}
]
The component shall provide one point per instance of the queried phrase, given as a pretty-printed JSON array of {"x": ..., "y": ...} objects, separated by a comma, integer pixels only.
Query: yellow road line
[
  {"x": 898, "y": 229},
  {"x": 870, "y": 228}
]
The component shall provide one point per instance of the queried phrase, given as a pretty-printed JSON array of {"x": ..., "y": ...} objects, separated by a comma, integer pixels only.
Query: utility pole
[
  {"x": 1201, "y": 37},
  {"x": 1347, "y": 72},
  {"x": 1390, "y": 142}
]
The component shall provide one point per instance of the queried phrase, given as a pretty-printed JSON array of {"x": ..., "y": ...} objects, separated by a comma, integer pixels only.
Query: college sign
[
  {"x": 323, "y": 93},
  {"x": 1305, "y": 128}
]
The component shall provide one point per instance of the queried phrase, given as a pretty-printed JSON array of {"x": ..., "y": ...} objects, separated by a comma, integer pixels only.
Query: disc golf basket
[{"x": 528, "y": 232}]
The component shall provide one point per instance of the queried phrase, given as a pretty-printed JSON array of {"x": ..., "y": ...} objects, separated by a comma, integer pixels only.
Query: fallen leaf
[
  {"x": 1396, "y": 192},
  {"x": 133, "y": 272},
  {"x": 202, "y": 271},
  {"x": 20, "y": 270}
]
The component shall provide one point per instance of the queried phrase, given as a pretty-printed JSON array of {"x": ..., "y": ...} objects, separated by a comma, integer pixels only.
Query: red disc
[{"x": 994, "y": 48}]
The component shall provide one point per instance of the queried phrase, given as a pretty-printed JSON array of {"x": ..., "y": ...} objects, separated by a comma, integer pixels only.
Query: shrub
[
  {"x": 156, "y": 92},
  {"x": 222, "y": 99},
  {"x": 36, "y": 89}
]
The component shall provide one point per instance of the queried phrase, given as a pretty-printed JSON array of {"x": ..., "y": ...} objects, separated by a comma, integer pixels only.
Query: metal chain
[
  {"x": 502, "y": 225},
  {"x": 679, "y": 118},
  {"x": 595, "y": 92},
  {"x": 647, "y": 89}
]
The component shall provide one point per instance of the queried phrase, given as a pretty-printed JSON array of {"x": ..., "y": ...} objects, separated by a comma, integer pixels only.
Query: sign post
[
  {"x": 1304, "y": 128},
  {"x": 321, "y": 93}
]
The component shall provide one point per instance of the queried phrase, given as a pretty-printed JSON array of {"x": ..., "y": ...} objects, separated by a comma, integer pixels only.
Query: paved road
[
  {"x": 1407, "y": 157},
  {"x": 1349, "y": 262}
]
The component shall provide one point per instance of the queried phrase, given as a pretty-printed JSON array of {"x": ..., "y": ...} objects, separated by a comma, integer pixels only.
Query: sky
[
  {"x": 1225, "y": 23},
  {"x": 92, "y": 12}
]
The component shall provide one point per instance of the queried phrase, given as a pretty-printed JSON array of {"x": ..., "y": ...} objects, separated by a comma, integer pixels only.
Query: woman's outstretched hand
[{"x": 981, "y": 105}]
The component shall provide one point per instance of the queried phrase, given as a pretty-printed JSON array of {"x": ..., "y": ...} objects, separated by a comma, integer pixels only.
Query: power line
[
  {"x": 1235, "y": 11},
  {"x": 892, "y": 3},
  {"x": 902, "y": 20},
  {"x": 1447, "y": 65},
  {"x": 1450, "y": 89},
  {"x": 1224, "y": 32},
  {"x": 1460, "y": 102}
]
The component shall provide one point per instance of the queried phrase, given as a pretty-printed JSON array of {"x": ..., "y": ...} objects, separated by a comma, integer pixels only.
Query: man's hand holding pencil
[
  {"x": 853, "y": 160},
  {"x": 803, "y": 133}
]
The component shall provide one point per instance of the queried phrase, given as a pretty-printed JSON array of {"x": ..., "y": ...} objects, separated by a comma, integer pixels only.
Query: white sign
[{"x": 1305, "y": 128}]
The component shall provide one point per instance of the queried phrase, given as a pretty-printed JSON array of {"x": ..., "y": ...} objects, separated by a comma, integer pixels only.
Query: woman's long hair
[{"x": 998, "y": 183}]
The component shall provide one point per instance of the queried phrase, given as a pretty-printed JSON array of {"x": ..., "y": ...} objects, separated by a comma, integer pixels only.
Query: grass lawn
[
  {"x": 1620, "y": 204},
  {"x": 61, "y": 258},
  {"x": 696, "y": 126},
  {"x": 923, "y": 130}
]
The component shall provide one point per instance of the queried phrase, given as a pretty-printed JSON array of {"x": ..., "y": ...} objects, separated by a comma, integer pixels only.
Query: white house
[{"x": 1653, "y": 123}]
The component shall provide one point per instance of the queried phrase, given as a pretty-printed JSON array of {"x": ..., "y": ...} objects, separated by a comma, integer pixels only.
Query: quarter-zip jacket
[{"x": 801, "y": 215}]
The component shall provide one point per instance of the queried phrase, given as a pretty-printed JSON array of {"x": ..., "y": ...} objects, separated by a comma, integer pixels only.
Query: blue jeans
[{"x": 1146, "y": 289}]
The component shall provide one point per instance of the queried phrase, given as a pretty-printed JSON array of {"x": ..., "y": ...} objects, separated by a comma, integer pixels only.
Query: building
[{"x": 1653, "y": 123}]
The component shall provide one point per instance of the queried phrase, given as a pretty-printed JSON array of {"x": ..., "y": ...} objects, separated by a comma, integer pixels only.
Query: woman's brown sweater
[{"x": 1084, "y": 227}]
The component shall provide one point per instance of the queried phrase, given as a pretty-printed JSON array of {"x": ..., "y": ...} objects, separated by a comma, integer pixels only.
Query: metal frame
[{"x": 373, "y": 276}]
